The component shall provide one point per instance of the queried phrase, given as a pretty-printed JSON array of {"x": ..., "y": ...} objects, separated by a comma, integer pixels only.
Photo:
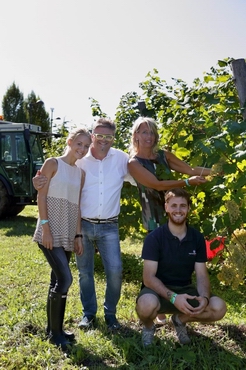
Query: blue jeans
[
  {"x": 60, "y": 277},
  {"x": 106, "y": 239}
]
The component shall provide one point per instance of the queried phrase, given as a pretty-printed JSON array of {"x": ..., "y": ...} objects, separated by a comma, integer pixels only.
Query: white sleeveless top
[{"x": 62, "y": 206}]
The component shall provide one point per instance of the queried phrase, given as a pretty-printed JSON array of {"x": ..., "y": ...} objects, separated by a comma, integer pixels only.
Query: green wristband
[{"x": 173, "y": 297}]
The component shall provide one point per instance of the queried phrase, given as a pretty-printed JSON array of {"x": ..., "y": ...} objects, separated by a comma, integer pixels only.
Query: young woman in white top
[{"x": 58, "y": 230}]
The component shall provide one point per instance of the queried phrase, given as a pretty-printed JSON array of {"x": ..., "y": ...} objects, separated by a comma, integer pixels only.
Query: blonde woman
[
  {"x": 58, "y": 230},
  {"x": 144, "y": 158}
]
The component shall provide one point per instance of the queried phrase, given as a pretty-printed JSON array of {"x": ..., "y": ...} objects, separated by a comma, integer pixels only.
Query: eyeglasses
[{"x": 104, "y": 137}]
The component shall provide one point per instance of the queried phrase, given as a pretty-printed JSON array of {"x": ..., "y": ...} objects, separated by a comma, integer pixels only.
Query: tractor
[{"x": 21, "y": 155}]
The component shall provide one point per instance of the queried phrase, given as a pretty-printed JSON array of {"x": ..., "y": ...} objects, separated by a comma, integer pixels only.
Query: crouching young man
[{"x": 171, "y": 253}]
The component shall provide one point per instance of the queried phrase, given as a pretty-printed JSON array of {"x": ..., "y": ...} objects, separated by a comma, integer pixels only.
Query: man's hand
[
  {"x": 203, "y": 303},
  {"x": 78, "y": 246},
  {"x": 183, "y": 306},
  {"x": 39, "y": 180}
]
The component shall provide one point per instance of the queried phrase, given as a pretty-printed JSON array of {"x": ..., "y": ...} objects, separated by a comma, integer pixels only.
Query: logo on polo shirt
[{"x": 192, "y": 253}]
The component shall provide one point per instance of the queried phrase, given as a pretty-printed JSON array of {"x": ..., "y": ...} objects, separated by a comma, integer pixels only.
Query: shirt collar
[
  {"x": 109, "y": 154},
  {"x": 171, "y": 236}
]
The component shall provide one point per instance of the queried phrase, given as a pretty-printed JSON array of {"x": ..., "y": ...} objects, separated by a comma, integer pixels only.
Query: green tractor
[{"x": 21, "y": 155}]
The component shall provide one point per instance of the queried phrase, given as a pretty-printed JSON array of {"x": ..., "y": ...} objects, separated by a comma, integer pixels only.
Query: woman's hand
[
  {"x": 47, "y": 239},
  {"x": 197, "y": 180}
]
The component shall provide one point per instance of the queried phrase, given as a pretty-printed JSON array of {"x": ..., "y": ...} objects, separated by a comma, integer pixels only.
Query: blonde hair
[
  {"x": 74, "y": 134},
  {"x": 133, "y": 148}
]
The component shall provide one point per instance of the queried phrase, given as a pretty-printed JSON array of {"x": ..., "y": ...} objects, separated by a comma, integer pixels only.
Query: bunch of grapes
[
  {"x": 234, "y": 267},
  {"x": 233, "y": 210},
  {"x": 239, "y": 237},
  {"x": 229, "y": 276},
  {"x": 217, "y": 168}
]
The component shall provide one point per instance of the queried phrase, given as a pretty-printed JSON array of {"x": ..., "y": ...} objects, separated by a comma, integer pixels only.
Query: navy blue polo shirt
[{"x": 176, "y": 259}]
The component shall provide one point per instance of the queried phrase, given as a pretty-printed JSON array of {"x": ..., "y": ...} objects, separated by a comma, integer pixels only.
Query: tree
[
  {"x": 58, "y": 142},
  {"x": 12, "y": 105},
  {"x": 32, "y": 109},
  {"x": 36, "y": 113}
]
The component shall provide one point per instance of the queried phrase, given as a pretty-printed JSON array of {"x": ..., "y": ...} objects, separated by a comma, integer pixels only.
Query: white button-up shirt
[{"x": 103, "y": 182}]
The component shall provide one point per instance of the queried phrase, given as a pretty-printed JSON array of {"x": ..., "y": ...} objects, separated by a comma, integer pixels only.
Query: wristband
[
  {"x": 42, "y": 222},
  {"x": 187, "y": 182},
  {"x": 173, "y": 297},
  {"x": 78, "y": 236},
  {"x": 206, "y": 299}
]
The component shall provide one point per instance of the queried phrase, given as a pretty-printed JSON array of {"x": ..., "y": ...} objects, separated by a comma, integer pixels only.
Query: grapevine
[{"x": 203, "y": 125}]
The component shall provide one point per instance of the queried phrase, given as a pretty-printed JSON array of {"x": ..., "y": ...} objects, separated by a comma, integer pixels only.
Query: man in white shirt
[{"x": 105, "y": 169}]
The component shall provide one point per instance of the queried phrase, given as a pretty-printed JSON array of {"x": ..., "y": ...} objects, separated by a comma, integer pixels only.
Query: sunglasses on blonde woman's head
[{"x": 104, "y": 137}]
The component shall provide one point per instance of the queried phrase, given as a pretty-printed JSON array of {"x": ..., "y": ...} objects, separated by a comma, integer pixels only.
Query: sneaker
[
  {"x": 148, "y": 336},
  {"x": 112, "y": 322},
  {"x": 180, "y": 330},
  {"x": 86, "y": 322}
]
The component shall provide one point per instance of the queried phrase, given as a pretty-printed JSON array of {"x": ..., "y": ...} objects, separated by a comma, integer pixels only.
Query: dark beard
[{"x": 174, "y": 222}]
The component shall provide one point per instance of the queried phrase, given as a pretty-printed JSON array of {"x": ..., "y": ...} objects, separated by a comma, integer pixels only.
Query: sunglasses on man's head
[{"x": 104, "y": 137}]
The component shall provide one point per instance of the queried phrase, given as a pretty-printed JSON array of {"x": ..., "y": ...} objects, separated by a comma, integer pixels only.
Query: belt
[{"x": 101, "y": 221}]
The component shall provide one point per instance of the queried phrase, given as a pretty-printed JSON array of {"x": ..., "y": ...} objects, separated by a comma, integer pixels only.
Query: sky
[{"x": 67, "y": 51}]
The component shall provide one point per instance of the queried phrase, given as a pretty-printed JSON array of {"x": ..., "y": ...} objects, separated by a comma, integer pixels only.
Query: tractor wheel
[
  {"x": 15, "y": 210},
  {"x": 7, "y": 207},
  {"x": 4, "y": 201}
]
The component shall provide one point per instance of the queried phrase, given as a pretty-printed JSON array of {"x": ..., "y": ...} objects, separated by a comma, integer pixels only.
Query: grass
[{"x": 24, "y": 275}]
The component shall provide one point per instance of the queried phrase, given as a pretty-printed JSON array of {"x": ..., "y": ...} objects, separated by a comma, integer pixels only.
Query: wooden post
[{"x": 238, "y": 67}]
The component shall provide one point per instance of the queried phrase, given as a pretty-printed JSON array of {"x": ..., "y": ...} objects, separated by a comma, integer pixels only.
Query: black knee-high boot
[
  {"x": 67, "y": 334},
  {"x": 57, "y": 308}
]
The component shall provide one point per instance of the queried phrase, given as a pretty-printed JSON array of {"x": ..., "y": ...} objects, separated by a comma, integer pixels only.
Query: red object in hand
[{"x": 211, "y": 253}]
